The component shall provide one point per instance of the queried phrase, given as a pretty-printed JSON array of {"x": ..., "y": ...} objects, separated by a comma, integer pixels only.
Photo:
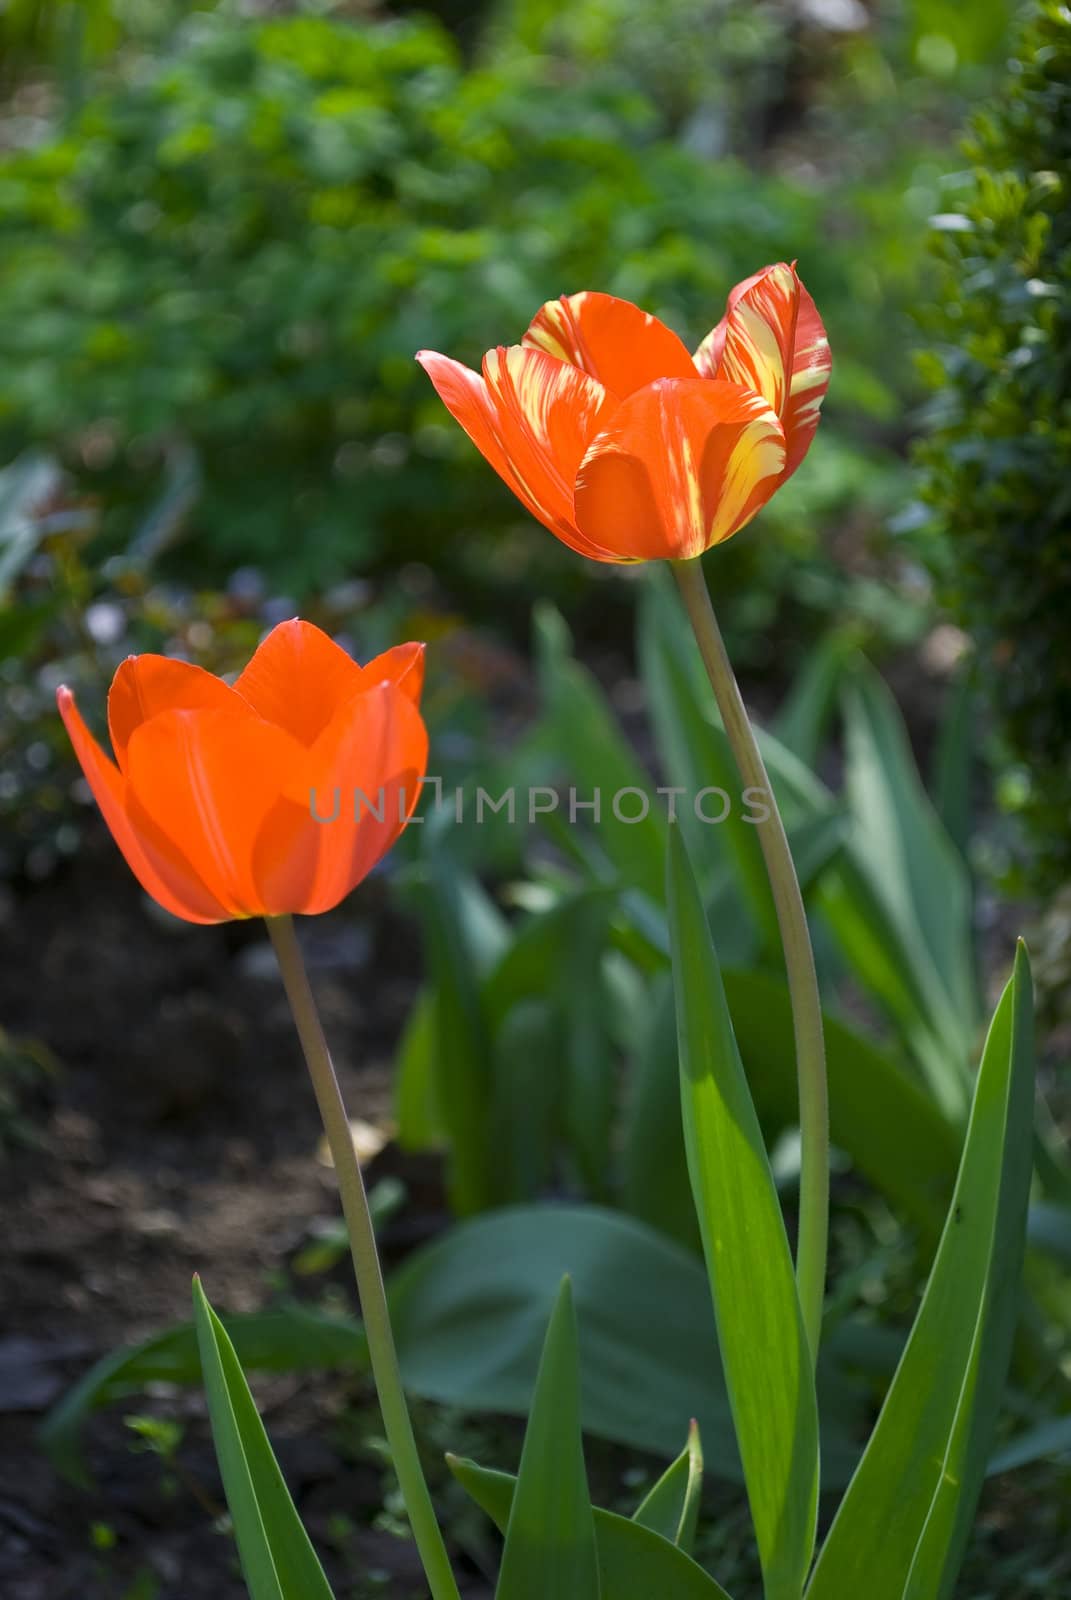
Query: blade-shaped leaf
[
  {"x": 895, "y": 1135},
  {"x": 635, "y": 1563},
  {"x": 527, "y": 1098},
  {"x": 464, "y": 1067},
  {"x": 671, "y": 1506},
  {"x": 597, "y": 760},
  {"x": 764, "y": 1350},
  {"x": 901, "y": 903},
  {"x": 416, "y": 1092},
  {"x": 278, "y": 1560},
  {"x": 903, "y": 1523},
  {"x": 550, "y": 1536},
  {"x": 693, "y": 748}
]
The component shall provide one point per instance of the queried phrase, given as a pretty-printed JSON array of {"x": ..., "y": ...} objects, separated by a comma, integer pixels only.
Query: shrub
[
  {"x": 237, "y": 247},
  {"x": 997, "y": 461}
]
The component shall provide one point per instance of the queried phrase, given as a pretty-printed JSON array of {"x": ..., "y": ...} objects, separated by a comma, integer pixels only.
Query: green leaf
[
  {"x": 1052, "y": 1438},
  {"x": 805, "y": 713},
  {"x": 463, "y": 1066},
  {"x": 596, "y": 758},
  {"x": 694, "y": 750},
  {"x": 953, "y": 767},
  {"x": 635, "y": 1563},
  {"x": 527, "y": 1098},
  {"x": 550, "y": 1536},
  {"x": 416, "y": 1096},
  {"x": 888, "y": 1125},
  {"x": 900, "y": 904},
  {"x": 278, "y": 1560},
  {"x": 904, "y": 1521},
  {"x": 469, "y": 1310},
  {"x": 671, "y": 1507},
  {"x": 764, "y": 1350},
  {"x": 654, "y": 1176},
  {"x": 290, "y": 1339}
]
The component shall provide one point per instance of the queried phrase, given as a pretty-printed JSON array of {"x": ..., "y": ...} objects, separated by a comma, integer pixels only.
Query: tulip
[
  {"x": 629, "y": 449},
  {"x": 624, "y": 445},
  {"x": 276, "y": 795}
]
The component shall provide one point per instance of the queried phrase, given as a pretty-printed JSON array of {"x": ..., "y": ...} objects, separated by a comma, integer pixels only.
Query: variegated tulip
[{"x": 624, "y": 445}]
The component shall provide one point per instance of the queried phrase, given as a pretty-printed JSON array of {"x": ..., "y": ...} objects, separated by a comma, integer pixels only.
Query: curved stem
[
  {"x": 374, "y": 1311},
  {"x": 812, "y": 1241}
]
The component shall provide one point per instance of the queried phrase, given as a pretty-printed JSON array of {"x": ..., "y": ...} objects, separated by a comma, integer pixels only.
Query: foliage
[
  {"x": 997, "y": 461},
  {"x": 235, "y": 250}
]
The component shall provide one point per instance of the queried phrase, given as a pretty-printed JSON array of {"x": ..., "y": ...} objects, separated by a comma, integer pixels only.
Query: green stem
[
  {"x": 377, "y": 1326},
  {"x": 812, "y": 1241}
]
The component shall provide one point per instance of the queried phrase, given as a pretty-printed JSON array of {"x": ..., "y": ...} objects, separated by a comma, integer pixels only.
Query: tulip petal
[
  {"x": 811, "y": 367},
  {"x": 297, "y": 679},
  {"x": 612, "y": 340},
  {"x": 362, "y": 779},
  {"x": 145, "y": 685},
  {"x": 708, "y": 357},
  {"x": 402, "y": 665},
  {"x": 751, "y": 345},
  {"x": 179, "y": 890},
  {"x": 531, "y": 417},
  {"x": 681, "y": 466},
  {"x": 760, "y": 336},
  {"x": 202, "y": 786}
]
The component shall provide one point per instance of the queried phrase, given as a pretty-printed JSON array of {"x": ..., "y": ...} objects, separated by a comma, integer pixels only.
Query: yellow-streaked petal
[
  {"x": 682, "y": 465},
  {"x": 531, "y": 417},
  {"x": 760, "y": 336}
]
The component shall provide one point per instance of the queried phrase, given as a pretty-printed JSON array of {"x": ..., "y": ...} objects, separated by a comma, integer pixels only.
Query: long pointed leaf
[
  {"x": 278, "y": 1560},
  {"x": 904, "y": 1521},
  {"x": 550, "y": 1536},
  {"x": 764, "y": 1349}
]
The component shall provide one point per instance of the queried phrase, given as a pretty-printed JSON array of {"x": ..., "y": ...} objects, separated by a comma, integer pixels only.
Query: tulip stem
[
  {"x": 384, "y": 1357},
  {"x": 812, "y": 1241}
]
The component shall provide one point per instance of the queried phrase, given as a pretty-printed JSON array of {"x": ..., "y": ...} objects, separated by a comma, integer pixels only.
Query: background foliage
[{"x": 997, "y": 458}]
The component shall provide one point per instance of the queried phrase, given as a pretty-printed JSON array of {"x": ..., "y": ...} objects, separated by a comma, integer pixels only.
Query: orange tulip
[
  {"x": 277, "y": 795},
  {"x": 628, "y": 448}
]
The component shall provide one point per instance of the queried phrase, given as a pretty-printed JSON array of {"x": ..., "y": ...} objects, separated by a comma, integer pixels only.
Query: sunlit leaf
[
  {"x": 765, "y": 1357},
  {"x": 278, "y": 1560},
  {"x": 904, "y": 1521}
]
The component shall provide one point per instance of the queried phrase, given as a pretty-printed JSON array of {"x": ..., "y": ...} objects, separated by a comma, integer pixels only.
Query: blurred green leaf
[
  {"x": 290, "y": 1339},
  {"x": 278, "y": 1560},
  {"x": 902, "y": 1527},
  {"x": 463, "y": 1061},
  {"x": 694, "y": 750},
  {"x": 764, "y": 1350},
  {"x": 528, "y": 1094},
  {"x": 416, "y": 1090},
  {"x": 900, "y": 902},
  {"x": 635, "y": 1563},
  {"x": 550, "y": 1535},
  {"x": 596, "y": 761},
  {"x": 807, "y": 708}
]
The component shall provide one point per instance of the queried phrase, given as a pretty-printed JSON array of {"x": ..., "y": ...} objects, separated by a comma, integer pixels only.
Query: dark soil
[{"x": 179, "y": 1133}]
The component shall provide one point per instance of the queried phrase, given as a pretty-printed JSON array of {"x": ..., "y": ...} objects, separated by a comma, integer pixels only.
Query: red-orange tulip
[
  {"x": 628, "y": 448},
  {"x": 277, "y": 795}
]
